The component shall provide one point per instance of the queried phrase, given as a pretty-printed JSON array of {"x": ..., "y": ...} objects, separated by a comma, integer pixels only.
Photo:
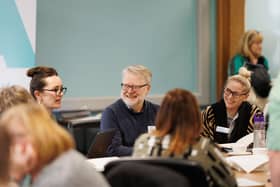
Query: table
[{"x": 258, "y": 176}]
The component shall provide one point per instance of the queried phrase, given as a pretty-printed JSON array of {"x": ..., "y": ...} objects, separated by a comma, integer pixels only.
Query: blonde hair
[
  {"x": 139, "y": 70},
  {"x": 48, "y": 138},
  {"x": 13, "y": 95},
  {"x": 248, "y": 38},
  {"x": 243, "y": 78}
]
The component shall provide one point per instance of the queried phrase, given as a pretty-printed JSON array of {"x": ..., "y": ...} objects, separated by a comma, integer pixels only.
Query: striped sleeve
[{"x": 208, "y": 121}]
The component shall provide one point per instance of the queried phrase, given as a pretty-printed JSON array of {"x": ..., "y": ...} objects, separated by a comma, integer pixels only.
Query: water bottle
[{"x": 259, "y": 131}]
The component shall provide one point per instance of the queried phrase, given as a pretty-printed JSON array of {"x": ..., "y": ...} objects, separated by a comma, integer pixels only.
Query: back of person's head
[
  {"x": 48, "y": 138},
  {"x": 259, "y": 79},
  {"x": 179, "y": 116},
  {"x": 38, "y": 75},
  {"x": 242, "y": 78},
  {"x": 5, "y": 144},
  {"x": 248, "y": 38},
  {"x": 139, "y": 70},
  {"x": 13, "y": 95}
]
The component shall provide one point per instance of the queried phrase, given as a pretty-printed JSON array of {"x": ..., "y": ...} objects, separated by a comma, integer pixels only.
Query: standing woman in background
[
  {"x": 249, "y": 53},
  {"x": 46, "y": 86}
]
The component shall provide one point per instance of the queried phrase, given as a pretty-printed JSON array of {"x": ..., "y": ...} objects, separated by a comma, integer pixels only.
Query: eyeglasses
[
  {"x": 57, "y": 91},
  {"x": 234, "y": 94},
  {"x": 133, "y": 87}
]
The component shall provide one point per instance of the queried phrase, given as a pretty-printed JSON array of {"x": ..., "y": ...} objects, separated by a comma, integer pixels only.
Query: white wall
[{"x": 264, "y": 15}]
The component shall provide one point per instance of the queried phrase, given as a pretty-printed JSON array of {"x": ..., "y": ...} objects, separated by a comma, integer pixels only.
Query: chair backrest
[
  {"x": 191, "y": 170},
  {"x": 136, "y": 174}
]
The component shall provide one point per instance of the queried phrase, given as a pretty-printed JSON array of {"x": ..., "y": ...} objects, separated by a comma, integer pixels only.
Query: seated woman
[
  {"x": 232, "y": 117},
  {"x": 46, "y": 87},
  {"x": 43, "y": 151},
  {"x": 177, "y": 134}
]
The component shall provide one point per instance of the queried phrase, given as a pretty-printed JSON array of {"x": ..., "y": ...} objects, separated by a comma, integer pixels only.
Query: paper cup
[{"x": 151, "y": 128}]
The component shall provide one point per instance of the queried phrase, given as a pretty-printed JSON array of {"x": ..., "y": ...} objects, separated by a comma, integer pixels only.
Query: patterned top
[
  {"x": 204, "y": 152},
  {"x": 215, "y": 125}
]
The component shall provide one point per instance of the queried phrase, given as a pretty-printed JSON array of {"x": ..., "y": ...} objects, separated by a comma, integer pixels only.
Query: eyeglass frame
[
  {"x": 133, "y": 87},
  {"x": 57, "y": 91},
  {"x": 235, "y": 95}
]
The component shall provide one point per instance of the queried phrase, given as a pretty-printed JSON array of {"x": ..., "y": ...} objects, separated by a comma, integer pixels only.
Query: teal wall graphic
[{"x": 15, "y": 45}]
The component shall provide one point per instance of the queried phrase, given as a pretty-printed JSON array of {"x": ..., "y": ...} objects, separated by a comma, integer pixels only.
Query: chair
[{"x": 190, "y": 170}]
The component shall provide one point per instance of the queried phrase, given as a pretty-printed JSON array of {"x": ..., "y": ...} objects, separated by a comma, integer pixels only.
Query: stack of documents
[{"x": 248, "y": 163}]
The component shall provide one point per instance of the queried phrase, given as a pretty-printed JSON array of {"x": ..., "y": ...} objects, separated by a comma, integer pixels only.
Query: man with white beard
[{"x": 131, "y": 115}]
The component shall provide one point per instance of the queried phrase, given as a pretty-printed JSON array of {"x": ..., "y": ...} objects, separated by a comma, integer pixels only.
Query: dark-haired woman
[{"x": 46, "y": 86}]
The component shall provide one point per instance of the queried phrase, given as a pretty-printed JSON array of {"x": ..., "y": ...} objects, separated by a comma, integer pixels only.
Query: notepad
[
  {"x": 245, "y": 141},
  {"x": 99, "y": 163},
  {"x": 248, "y": 163},
  {"x": 243, "y": 182}
]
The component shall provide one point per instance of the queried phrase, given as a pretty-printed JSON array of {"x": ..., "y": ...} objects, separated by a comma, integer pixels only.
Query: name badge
[{"x": 221, "y": 129}]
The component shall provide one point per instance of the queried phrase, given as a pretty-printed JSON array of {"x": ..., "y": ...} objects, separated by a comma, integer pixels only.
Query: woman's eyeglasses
[
  {"x": 57, "y": 91},
  {"x": 234, "y": 94}
]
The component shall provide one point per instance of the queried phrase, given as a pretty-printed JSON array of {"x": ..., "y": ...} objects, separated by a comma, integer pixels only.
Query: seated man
[
  {"x": 132, "y": 114},
  {"x": 231, "y": 118}
]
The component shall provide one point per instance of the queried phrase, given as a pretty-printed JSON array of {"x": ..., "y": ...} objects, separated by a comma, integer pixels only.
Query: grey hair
[{"x": 139, "y": 70}]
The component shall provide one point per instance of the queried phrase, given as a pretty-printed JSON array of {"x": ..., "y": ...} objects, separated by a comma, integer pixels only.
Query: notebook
[{"x": 100, "y": 144}]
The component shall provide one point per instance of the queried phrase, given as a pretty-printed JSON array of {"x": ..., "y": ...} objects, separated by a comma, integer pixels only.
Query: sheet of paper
[
  {"x": 99, "y": 163},
  {"x": 242, "y": 182},
  {"x": 246, "y": 140},
  {"x": 247, "y": 163}
]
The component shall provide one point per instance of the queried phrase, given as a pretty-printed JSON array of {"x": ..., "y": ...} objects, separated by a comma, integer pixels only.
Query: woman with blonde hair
[
  {"x": 249, "y": 53},
  {"x": 177, "y": 135},
  {"x": 51, "y": 160},
  {"x": 231, "y": 118}
]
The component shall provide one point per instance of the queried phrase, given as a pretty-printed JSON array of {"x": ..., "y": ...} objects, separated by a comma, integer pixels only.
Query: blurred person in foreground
[
  {"x": 43, "y": 152},
  {"x": 13, "y": 95},
  {"x": 5, "y": 152},
  {"x": 177, "y": 135},
  {"x": 273, "y": 133}
]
